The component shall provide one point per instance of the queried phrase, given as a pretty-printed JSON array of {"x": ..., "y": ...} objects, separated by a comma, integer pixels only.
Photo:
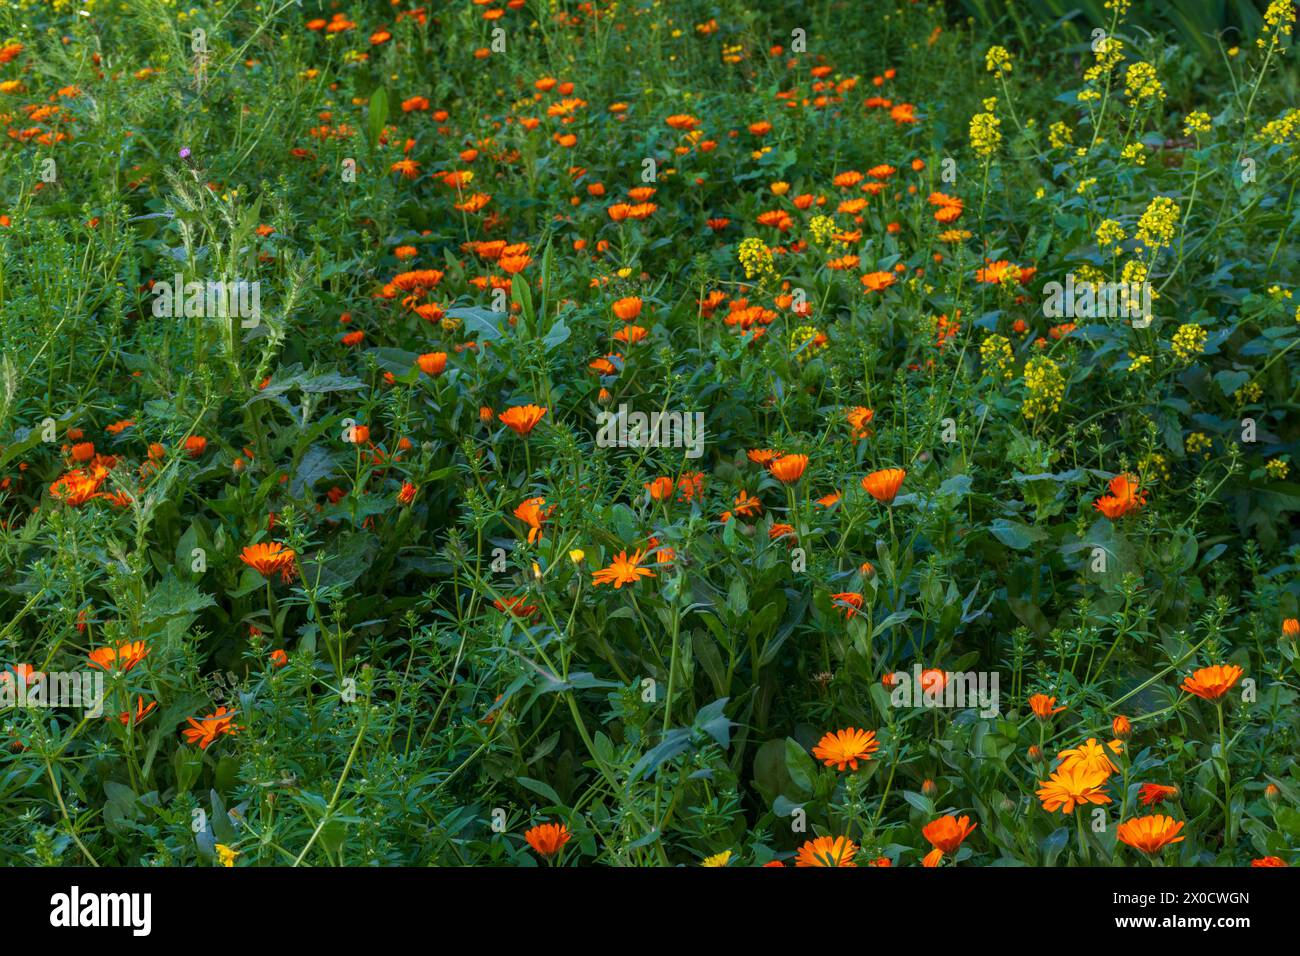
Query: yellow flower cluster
[
  {"x": 1279, "y": 18},
  {"x": 1141, "y": 84},
  {"x": 1135, "y": 153},
  {"x": 985, "y": 137},
  {"x": 1196, "y": 122},
  {"x": 1154, "y": 467},
  {"x": 998, "y": 357},
  {"x": 804, "y": 344},
  {"x": 1110, "y": 233},
  {"x": 1156, "y": 227},
  {"x": 997, "y": 60},
  {"x": 1060, "y": 135},
  {"x": 1189, "y": 341},
  {"x": 1281, "y": 130},
  {"x": 1046, "y": 387},
  {"x": 1198, "y": 443},
  {"x": 1277, "y": 468},
  {"x": 755, "y": 258},
  {"x": 822, "y": 228},
  {"x": 1110, "y": 52}
]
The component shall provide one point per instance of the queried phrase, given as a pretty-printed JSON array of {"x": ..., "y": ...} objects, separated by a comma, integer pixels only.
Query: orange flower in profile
[
  {"x": 860, "y": 418},
  {"x": 877, "y": 281},
  {"x": 269, "y": 558},
  {"x": 622, "y": 570},
  {"x": 195, "y": 445},
  {"x": 1121, "y": 727},
  {"x": 883, "y": 485},
  {"x": 1153, "y": 793},
  {"x": 628, "y": 309},
  {"x": 947, "y": 833},
  {"x": 827, "y": 851},
  {"x": 1044, "y": 706},
  {"x": 407, "y": 493},
  {"x": 1268, "y": 861},
  {"x": 788, "y": 468},
  {"x": 1213, "y": 682},
  {"x": 124, "y": 657},
  {"x": 531, "y": 513},
  {"x": 432, "y": 363},
  {"x": 661, "y": 489},
  {"x": 1070, "y": 788},
  {"x": 846, "y": 747},
  {"x": 548, "y": 838},
  {"x": 1291, "y": 628},
  {"x": 141, "y": 712},
  {"x": 204, "y": 731},
  {"x": 1150, "y": 834},
  {"x": 522, "y": 419},
  {"x": 279, "y": 658}
]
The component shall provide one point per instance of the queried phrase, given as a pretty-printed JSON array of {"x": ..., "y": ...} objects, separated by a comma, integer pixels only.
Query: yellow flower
[
  {"x": 998, "y": 358},
  {"x": 1141, "y": 84},
  {"x": 1046, "y": 386},
  {"x": 226, "y": 854},
  {"x": 1189, "y": 341},
  {"x": 1196, "y": 122},
  {"x": 718, "y": 859},
  {"x": 1156, "y": 227},
  {"x": 1110, "y": 233},
  {"x": 997, "y": 60},
  {"x": 576, "y": 555},
  {"x": 985, "y": 137}
]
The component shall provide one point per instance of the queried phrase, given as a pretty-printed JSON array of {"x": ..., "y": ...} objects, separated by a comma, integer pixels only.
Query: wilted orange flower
[
  {"x": 522, "y": 418},
  {"x": 1070, "y": 788},
  {"x": 124, "y": 657},
  {"x": 883, "y": 485},
  {"x": 844, "y": 748},
  {"x": 548, "y": 838},
  {"x": 1211, "y": 683},
  {"x": 788, "y": 468},
  {"x": 827, "y": 851},
  {"x": 947, "y": 832},
  {"x": 204, "y": 731},
  {"x": 847, "y": 602},
  {"x": 269, "y": 558},
  {"x": 1044, "y": 706},
  {"x": 1150, "y": 834},
  {"x": 622, "y": 570}
]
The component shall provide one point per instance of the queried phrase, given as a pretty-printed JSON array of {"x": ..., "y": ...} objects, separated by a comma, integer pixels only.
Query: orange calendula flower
[
  {"x": 1155, "y": 793},
  {"x": 827, "y": 851},
  {"x": 1125, "y": 496},
  {"x": 532, "y": 514},
  {"x": 269, "y": 558},
  {"x": 844, "y": 748},
  {"x": 195, "y": 445},
  {"x": 204, "y": 731},
  {"x": 432, "y": 363},
  {"x": 1070, "y": 788},
  {"x": 847, "y": 602},
  {"x": 1090, "y": 757},
  {"x": 878, "y": 281},
  {"x": 548, "y": 838},
  {"x": 1268, "y": 861},
  {"x": 788, "y": 468},
  {"x": 628, "y": 309},
  {"x": 1213, "y": 682},
  {"x": 1150, "y": 834},
  {"x": 883, "y": 485},
  {"x": 947, "y": 832},
  {"x": 1044, "y": 706},
  {"x": 522, "y": 419},
  {"x": 407, "y": 493},
  {"x": 123, "y": 657},
  {"x": 622, "y": 570},
  {"x": 141, "y": 712}
]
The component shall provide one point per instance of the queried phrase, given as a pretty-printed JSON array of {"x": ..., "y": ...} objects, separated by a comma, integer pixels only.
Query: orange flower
[
  {"x": 878, "y": 281},
  {"x": 848, "y": 602},
  {"x": 1073, "y": 787},
  {"x": 661, "y": 488},
  {"x": 1121, "y": 727},
  {"x": 622, "y": 570},
  {"x": 788, "y": 468},
  {"x": 627, "y": 309},
  {"x": 1125, "y": 496},
  {"x": 407, "y": 493},
  {"x": 1090, "y": 757},
  {"x": 548, "y": 838},
  {"x": 531, "y": 513},
  {"x": 1150, "y": 834},
  {"x": 860, "y": 418},
  {"x": 141, "y": 712},
  {"x": 883, "y": 485},
  {"x": 1268, "y": 861},
  {"x": 1212, "y": 683},
  {"x": 846, "y": 747},
  {"x": 279, "y": 658},
  {"x": 195, "y": 445},
  {"x": 827, "y": 851},
  {"x": 204, "y": 731},
  {"x": 124, "y": 657},
  {"x": 947, "y": 833},
  {"x": 1291, "y": 628},
  {"x": 269, "y": 558},
  {"x": 1153, "y": 793},
  {"x": 1044, "y": 706},
  {"x": 522, "y": 419},
  {"x": 432, "y": 363}
]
